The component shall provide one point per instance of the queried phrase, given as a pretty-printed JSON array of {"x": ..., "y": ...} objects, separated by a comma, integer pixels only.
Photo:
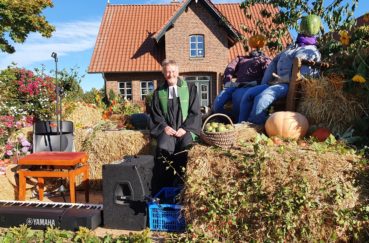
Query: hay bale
[
  {"x": 9, "y": 184},
  {"x": 83, "y": 115},
  {"x": 247, "y": 132},
  {"x": 324, "y": 103},
  {"x": 105, "y": 147},
  {"x": 8, "y": 191},
  {"x": 259, "y": 191}
]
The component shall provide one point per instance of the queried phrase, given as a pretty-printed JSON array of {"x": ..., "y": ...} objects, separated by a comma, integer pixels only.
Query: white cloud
[{"x": 68, "y": 37}]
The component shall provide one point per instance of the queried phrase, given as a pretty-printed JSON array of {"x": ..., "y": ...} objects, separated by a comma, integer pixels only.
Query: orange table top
[{"x": 54, "y": 158}]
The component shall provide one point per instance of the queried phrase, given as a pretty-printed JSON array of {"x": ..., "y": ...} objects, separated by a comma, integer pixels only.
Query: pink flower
[
  {"x": 25, "y": 143},
  {"x": 18, "y": 124},
  {"x": 29, "y": 120},
  {"x": 9, "y": 153},
  {"x": 8, "y": 146},
  {"x": 25, "y": 149}
]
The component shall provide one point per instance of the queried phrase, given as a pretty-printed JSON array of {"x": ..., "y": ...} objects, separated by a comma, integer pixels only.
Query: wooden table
[{"x": 55, "y": 165}]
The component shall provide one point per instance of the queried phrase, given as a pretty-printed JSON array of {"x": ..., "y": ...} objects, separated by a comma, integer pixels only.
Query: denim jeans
[
  {"x": 258, "y": 114},
  {"x": 222, "y": 99},
  {"x": 236, "y": 101},
  {"x": 230, "y": 94},
  {"x": 247, "y": 101}
]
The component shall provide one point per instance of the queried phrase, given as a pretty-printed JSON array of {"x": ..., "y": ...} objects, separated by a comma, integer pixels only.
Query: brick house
[{"x": 201, "y": 36}]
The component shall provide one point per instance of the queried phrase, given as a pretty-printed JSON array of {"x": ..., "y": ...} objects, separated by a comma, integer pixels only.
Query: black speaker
[
  {"x": 126, "y": 184},
  {"x": 46, "y": 136}
]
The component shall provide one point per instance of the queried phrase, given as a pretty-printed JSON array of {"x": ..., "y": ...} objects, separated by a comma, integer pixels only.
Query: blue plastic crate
[{"x": 166, "y": 216}]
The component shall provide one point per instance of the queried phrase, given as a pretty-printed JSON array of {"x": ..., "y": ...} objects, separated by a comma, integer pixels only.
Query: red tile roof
[
  {"x": 232, "y": 31},
  {"x": 125, "y": 41}
]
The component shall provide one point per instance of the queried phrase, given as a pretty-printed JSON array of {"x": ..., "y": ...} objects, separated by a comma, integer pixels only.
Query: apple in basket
[{"x": 218, "y": 127}]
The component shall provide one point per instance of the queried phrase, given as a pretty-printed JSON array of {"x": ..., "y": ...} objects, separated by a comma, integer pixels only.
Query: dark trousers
[{"x": 168, "y": 169}]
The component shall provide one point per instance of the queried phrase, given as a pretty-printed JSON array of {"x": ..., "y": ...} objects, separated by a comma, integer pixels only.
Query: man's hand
[
  {"x": 180, "y": 133},
  {"x": 169, "y": 131}
]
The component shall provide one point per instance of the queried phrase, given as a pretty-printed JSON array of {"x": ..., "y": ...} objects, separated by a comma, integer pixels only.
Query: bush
[
  {"x": 83, "y": 235},
  {"x": 94, "y": 96},
  {"x": 70, "y": 83},
  {"x": 25, "y": 93}
]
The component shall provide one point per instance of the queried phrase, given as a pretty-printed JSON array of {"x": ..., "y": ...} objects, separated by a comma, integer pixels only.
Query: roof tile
[{"x": 125, "y": 41}]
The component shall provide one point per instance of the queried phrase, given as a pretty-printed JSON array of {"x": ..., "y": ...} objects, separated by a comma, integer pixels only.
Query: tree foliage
[
  {"x": 70, "y": 82},
  {"x": 20, "y": 17},
  {"x": 335, "y": 15}
]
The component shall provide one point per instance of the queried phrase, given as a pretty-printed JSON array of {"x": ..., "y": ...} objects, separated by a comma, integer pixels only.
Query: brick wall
[
  {"x": 112, "y": 81},
  {"x": 196, "y": 19}
]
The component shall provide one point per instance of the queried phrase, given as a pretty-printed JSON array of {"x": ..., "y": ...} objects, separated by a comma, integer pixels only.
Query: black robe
[{"x": 192, "y": 123}]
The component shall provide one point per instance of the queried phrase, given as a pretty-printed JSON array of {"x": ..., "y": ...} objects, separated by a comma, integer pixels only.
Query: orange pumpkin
[
  {"x": 321, "y": 134},
  {"x": 287, "y": 124},
  {"x": 257, "y": 41}
]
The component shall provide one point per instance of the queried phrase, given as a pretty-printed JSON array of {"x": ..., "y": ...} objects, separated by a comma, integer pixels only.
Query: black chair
[{"x": 47, "y": 137}]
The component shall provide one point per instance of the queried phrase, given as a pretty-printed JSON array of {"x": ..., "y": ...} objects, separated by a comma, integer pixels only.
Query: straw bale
[
  {"x": 105, "y": 147},
  {"x": 7, "y": 191},
  {"x": 84, "y": 115},
  {"x": 247, "y": 131},
  {"x": 213, "y": 172},
  {"x": 324, "y": 103},
  {"x": 9, "y": 186}
]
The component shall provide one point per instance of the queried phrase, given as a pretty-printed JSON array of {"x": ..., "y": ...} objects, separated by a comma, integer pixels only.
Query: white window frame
[
  {"x": 123, "y": 90},
  {"x": 194, "y": 40},
  {"x": 148, "y": 91}
]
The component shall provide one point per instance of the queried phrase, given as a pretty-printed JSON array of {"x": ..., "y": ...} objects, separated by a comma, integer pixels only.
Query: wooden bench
[
  {"x": 296, "y": 78},
  {"x": 54, "y": 165}
]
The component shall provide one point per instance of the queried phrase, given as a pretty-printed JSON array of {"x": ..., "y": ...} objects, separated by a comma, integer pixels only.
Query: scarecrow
[
  {"x": 274, "y": 85},
  {"x": 248, "y": 70}
]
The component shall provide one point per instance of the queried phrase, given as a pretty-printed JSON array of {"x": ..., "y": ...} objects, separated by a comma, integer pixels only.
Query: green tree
[
  {"x": 20, "y": 17},
  {"x": 335, "y": 15},
  {"x": 95, "y": 96},
  {"x": 70, "y": 81}
]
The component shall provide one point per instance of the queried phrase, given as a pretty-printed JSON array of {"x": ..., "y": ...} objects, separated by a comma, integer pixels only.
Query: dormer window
[{"x": 197, "y": 47}]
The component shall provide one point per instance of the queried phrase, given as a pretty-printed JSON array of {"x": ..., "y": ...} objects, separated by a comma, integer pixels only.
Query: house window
[
  {"x": 202, "y": 83},
  {"x": 147, "y": 87},
  {"x": 197, "y": 47},
  {"x": 125, "y": 89}
]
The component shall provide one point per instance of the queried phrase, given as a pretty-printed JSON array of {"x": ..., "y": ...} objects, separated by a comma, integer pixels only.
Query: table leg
[
  {"x": 40, "y": 184},
  {"x": 72, "y": 187},
  {"x": 86, "y": 182},
  {"x": 22, "y": 186}
]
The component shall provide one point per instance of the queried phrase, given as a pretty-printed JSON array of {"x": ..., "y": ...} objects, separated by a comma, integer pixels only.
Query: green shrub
[
  {"x": 23, "y": 234},
  {"x": 24, "y": 92}
]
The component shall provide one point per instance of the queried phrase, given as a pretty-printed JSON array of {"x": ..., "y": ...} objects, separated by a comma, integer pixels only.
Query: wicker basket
[{"x": 220, "y": 139}]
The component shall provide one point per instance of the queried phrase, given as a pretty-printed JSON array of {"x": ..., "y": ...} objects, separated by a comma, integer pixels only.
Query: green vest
[{"x": 184, "y": 100}]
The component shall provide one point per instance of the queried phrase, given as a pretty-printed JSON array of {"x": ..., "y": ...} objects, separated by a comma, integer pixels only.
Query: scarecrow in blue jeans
[
  {"x": 274, "y": 85},
  {"x": 249, "y": 71}
]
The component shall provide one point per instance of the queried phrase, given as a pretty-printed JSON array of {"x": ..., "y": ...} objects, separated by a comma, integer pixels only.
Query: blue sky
[{"x": 77, "y": 23}]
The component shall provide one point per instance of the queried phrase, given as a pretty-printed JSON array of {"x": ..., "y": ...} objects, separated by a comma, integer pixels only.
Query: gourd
[
  {"x": 287, "y": 124},
  {"x": 321, "y": 134},
  {"x": 257, "y": 41},
  {"x": 310, "y": 25}
]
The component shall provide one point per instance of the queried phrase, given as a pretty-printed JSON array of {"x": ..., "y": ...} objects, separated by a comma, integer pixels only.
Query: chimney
[{"x": 174, "y": 1}]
